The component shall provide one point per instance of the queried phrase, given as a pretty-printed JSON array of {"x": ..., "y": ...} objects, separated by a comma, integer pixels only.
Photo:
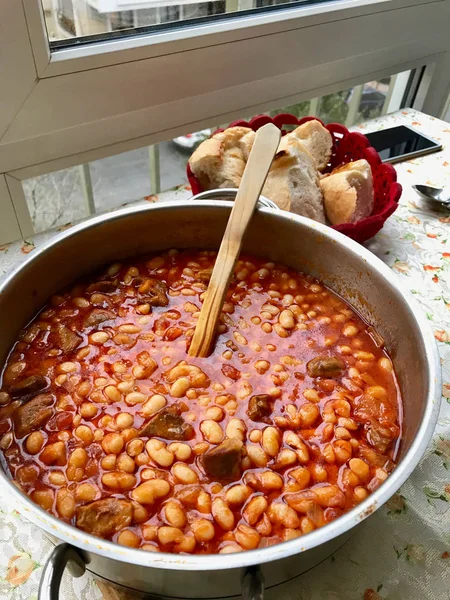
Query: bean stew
[{"x": 109, "y": 425}]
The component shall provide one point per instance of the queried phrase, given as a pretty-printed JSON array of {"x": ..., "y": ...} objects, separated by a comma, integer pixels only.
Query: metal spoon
[{"x": 438, "y": 195}]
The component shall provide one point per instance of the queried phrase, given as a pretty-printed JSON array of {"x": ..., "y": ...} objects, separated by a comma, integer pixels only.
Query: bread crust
[
  {"x": 293, "y": 181},
  {"x": 317, "y": 139},
  {"x": 348, "y": 193},
  {"x": 219, "y": 161}
]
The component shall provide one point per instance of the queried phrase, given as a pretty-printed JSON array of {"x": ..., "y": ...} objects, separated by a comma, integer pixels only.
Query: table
[{"x": 403, "y": 551}]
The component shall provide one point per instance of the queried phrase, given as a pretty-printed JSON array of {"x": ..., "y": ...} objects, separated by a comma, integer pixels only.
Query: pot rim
[
  {"x": 207, "y": 562},
  {"x": 229, "y": 194}
]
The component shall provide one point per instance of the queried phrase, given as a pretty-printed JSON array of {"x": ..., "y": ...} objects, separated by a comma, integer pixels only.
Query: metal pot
[{"x": 349, "y": 269}]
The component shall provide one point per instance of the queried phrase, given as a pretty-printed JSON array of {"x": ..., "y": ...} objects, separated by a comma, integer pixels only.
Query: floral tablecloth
[{"x": 403, "y": 551}]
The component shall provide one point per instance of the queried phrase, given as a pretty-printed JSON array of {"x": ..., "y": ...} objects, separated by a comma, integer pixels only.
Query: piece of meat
[
  {"x": 161, "y": 325},
  {"x": 224, "y": 461},
  {"x": 368, "y": 407},
  {"x": 381, "y": 435},
  {"x": 29, "y": 387},
  {"x": 325, "y": 366},
  {"x": 97, "y": 316},
  {"x": 33, "y": 415},
  {"x": 170, "y": 425},
  {"x": 106, "y": 517},
  {"x": 105, "y": 287},
  {"x": 154, "y": 292},
  {"x": 230, "y": 372},
  {"x": 66, "y": 339},
  {"x": 372, "y": 458},
  {"x": 260, "y": 408}
]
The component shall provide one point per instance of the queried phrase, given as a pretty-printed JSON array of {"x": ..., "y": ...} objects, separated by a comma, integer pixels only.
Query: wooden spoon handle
[{"x": 264, "y": 148}]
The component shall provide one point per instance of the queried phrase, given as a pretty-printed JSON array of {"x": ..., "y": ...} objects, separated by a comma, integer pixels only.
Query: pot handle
[
  {"x": 62, "y": 555},
  {"x": 65, "y": 555},
  {"x": 253, "y": 584}
]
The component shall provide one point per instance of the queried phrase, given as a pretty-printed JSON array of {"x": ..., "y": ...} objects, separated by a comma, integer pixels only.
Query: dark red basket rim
[{"x": 347, "y": 146}]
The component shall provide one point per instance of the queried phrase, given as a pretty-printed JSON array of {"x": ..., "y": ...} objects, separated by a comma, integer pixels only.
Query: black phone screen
[{"x": 400, "y": 142}]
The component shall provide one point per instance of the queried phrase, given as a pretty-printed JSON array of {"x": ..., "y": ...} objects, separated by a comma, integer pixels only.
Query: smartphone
[{"x": 400, "y": 143}]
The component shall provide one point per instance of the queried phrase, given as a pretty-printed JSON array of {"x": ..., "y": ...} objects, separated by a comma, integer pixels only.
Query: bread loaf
[
  {"x": 317, "y": 139},
  {"x": 219, "y": 161},
  {"x": 348, "y": 193},
  {"x": 293, "y": 181}
]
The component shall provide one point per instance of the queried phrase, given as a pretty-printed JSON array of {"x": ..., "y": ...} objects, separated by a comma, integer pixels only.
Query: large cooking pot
[{"x": 349, "y": 269}]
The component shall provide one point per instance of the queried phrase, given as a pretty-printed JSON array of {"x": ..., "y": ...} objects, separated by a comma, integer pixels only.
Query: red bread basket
[{"x": 347, "y": 146}]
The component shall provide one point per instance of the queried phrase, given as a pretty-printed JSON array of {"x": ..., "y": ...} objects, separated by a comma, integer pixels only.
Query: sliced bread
[
  {"x": 293, "y": 181},
  {"x": 219, "y": 161},
  {"x": 317, "y": 139},
  {"x": 348, "y": 193}
]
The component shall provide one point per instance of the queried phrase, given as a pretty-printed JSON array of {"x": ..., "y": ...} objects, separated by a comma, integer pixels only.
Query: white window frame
[{"x": 83, "y": 103}]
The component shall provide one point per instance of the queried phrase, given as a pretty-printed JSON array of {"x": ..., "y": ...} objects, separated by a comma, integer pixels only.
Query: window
[
  {"x": 71, "y": 194},
  {"x": 353, "y": 105},
  {"x": 92, "y": 79},
  {"x": 100, "y": 17}
]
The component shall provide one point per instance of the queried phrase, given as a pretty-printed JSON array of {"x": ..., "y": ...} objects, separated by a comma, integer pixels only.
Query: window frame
[
  {"x": 63, "y": 108},
  {"x": 131, "y": 48}
]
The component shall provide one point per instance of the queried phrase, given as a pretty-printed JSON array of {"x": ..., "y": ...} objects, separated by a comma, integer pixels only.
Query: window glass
[
  {"x": 373, "y": 99},
  {"x": 69, "y": 20},
  {"x": 69, "y": 195},
  {"x": 72, "y": 194}
]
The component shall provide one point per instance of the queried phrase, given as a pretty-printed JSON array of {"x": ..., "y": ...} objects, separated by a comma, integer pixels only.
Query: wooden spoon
[
  {"x": 264, "y": 148},
  {"x": 258, "y": 165}
]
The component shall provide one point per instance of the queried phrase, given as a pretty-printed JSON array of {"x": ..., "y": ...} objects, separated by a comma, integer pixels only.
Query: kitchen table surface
[{"x": 402, "y": 552}]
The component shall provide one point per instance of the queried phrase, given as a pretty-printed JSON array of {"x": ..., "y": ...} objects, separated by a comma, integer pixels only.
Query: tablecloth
[{"x": 403, "y": 551}]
